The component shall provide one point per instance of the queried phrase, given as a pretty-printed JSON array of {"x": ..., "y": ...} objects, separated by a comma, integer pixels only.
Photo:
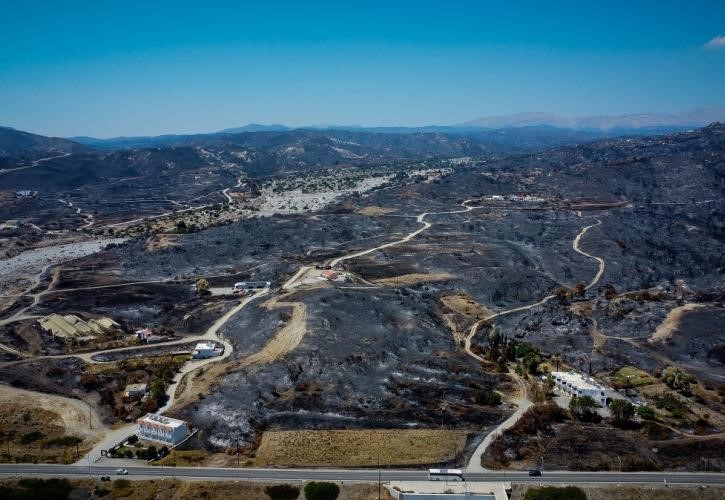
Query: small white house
[
  {"x": 165, "y": 430},
  {"x": 205, "y": 350},
  {"x": 576, "y": 384}
]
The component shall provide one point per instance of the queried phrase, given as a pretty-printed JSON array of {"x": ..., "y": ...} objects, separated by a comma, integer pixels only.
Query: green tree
[
  {"x": 282, "y": 492},
  {"x": 202, "y": 286},
  {"x": 582, "y": 407},
  {"x": 622, "y": 411},
  {"x": 158, "y": 391},
  {"x": 677, "y": 379},
  {"x": 321, "y": 491}
]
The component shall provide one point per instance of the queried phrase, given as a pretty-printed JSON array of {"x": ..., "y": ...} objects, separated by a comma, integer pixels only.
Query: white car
[{"x": 121, "y": 472}]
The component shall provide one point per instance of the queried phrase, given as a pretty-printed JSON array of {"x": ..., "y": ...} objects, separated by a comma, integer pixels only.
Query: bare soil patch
[
  {"x": 669, "y": 326},
  {"x": 373, "y": 210},
  {"x": 359, "y": 448},
  {"x": 160, "y": 241},
  {"x": 413, "y": 279},
  {"x": 462, "y": 303}
]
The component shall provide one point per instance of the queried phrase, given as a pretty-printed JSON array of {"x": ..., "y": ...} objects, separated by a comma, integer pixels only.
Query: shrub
[
  {"x": 89, "y": 381},
  {"x": 133, "y": 439},
  {"x": 555, "y": 493},
  {"x": 677, "y": 379},
  {"x": 31, "y": 437},
  {"x": 63, "y": 441},
  {"x": 622, "y": 411},
  {"x": 646, "y": 413},
  {"x": 321, "y": 491},
  {"x": 39, "y": 489},
  {"x": 282, "y": 492},
  {"x": 488, "y": 397},
  {"x": 121, "y": 484}
]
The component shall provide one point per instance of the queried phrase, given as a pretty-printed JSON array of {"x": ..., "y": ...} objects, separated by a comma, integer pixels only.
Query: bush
[
  {"x": 121, "y": 484},
  {"x": 488, "y": 397},
  {"x": 89, "y": 381},
  {"x": 622, "y": 411},
  {"x": 321, "y": 491},
  {"x": 555, "y": 493},
  {"x": 63, "y": 441},
  {"x": 37, "y": 489},
  {"x": 646, "y": 413},
  {"x": 31, "y": 437},
  {"x": 677, "y": 379},
  {"x": 133, "y": 439},
  {"x": 282, "y": 492}
]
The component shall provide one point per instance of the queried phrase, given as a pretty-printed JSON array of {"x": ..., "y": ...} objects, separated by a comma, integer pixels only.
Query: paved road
[{"x": 359, "y": 474}]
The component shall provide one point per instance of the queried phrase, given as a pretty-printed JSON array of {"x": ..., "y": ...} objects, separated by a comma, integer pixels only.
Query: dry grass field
[
  {"x": 637, "y": 492},
  {"x": 207, "y": 490},
  {"x": 359, "y": 448}
]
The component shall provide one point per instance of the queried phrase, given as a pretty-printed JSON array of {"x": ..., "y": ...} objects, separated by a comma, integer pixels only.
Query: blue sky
[{"x": 107, "y": 68}]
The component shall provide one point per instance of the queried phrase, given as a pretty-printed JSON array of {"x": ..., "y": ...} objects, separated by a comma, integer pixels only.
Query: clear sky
[{"x": 106, "y": 68}]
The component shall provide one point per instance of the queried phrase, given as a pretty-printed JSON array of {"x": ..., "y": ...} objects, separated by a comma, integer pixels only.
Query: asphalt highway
[{"x": 370, "y": 475}]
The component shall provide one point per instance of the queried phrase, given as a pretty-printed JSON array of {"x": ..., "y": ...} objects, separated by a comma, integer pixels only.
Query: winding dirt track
[{"x": 523, "y": 402}]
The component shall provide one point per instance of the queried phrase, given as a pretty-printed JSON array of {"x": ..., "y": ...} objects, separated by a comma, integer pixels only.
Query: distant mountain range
[
  {"x": 554, "y": 129},
  {"x": 694, "y": 118}
]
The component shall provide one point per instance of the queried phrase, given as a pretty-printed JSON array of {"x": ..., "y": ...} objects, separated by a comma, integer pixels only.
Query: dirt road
[{"x": 523, "y": 402}]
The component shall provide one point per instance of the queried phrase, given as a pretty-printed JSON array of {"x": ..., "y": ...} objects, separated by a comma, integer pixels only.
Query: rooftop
[
  {"x": 578, "y": 380},
  {"x": 155, "y": 419},
  {"x": 201, "y": 346}
]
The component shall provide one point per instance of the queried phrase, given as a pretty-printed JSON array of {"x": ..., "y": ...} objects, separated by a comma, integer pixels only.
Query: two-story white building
[
  {"x": 576, "y": 384},
  {"x": 165, "y": 430}
]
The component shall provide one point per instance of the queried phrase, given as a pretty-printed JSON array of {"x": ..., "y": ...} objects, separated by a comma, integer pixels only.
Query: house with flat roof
[
  {"x": 205, "y": 350},
  {"x": 577, "y": 385},
  {"x": 161, "y": 429}
]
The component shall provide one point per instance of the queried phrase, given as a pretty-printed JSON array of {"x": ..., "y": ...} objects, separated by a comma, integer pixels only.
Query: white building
[
  {"x": 165, "y": 430},
  {"x": 576, "y": 384},
  {"x": 205, "y": 350}
]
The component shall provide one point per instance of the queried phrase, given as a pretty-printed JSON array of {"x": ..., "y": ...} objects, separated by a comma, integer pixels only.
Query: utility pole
[{"x": 379, "y": 477}]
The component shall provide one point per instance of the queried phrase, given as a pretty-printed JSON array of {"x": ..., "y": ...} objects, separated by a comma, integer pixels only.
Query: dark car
[{"x": 534, "y": 472}]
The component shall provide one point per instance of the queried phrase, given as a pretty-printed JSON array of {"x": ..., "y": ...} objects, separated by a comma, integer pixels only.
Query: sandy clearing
[
  {"x": 348, "y": 448},
  {"x": 669, "y": 325},
  {"x": 463, "y": 304},
  {"x": 413, "y": 278},
  {"x": 375, "y": 210},
  {"x": 286, "y": 339},
  {"x": 73, "y": 414}
]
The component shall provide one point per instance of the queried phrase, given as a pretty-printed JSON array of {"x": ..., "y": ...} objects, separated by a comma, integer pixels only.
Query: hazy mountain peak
[{"x": 693, "y": 118}]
